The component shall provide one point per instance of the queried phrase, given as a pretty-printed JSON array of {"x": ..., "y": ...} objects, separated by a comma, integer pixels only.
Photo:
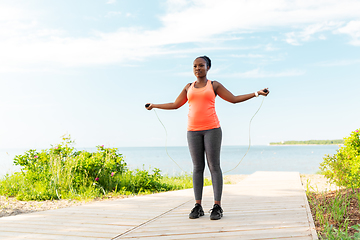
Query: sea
[{"x": 304, "y": 159}]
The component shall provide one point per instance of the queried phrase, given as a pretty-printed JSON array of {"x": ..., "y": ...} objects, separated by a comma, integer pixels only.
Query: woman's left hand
[{"x": 264, "y": 92}]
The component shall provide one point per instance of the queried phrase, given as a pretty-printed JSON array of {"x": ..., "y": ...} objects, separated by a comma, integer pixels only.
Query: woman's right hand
[
  {"x": 149, "y": 106},
  {"x": 180, "y": 100},
  {"x": 264, "y": 93}
]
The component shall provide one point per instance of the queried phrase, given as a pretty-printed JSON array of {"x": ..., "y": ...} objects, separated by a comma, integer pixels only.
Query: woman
[{"x": 204, "y": 132}]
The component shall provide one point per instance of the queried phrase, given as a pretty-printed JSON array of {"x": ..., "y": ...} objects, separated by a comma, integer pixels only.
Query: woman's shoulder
[
  {"x": 216, "y": 86},
  {"x": 187, "y": 86},
  {"x": 215, "y": 83}
]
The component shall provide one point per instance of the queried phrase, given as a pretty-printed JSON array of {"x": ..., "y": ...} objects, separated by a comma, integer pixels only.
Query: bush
[
  {"x": 61, "y": 172},
  {"x": 343, "y": 168}
]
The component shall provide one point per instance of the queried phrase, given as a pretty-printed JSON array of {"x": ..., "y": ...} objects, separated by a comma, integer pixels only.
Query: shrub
[
  {"x": 343, "y": 168},
  {"x": 62, "y": 172}
]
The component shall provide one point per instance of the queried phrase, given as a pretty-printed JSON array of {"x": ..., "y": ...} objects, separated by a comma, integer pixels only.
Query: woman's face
[{"x": 200, "y": 68}]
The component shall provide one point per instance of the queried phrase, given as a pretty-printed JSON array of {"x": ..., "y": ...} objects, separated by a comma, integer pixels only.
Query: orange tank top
[{"x": 202, "y": 115}]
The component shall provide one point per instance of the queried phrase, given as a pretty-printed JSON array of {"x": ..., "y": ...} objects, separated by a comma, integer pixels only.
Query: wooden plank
[
  {"x": 65, "y": 235},
  {"x": 201, "y": 228},
  {"x": 39, "y": 228},
  {"x": 282, "y": 207},
  {"x": 36, "y": 236},
  {"x": 265, "y": 205},
  {"x": 257, "y": 234}
]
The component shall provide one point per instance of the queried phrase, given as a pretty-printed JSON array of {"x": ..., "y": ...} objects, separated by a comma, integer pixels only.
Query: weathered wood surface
[{"x": 266, "y": 205}]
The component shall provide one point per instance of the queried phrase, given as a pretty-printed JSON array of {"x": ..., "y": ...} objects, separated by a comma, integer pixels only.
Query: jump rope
[{"x": 265, "y": 90}]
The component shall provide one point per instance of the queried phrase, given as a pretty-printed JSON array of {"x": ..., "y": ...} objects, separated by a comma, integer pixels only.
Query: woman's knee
[
  {"x": 199, "y": 168},
  {"x": 215, "y": 168}
]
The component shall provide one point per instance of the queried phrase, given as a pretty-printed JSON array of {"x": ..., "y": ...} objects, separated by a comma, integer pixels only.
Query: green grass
[
  {"x": 132, "y": 182},
  {"x": 61, "y": 172},
  {"x": 335, "y": 213}
]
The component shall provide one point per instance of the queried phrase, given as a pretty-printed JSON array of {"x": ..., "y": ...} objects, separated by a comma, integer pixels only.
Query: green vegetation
[
  {"x": 343, "y": 168},
  {"x": 336, "y": 213},
  {"x": 61, "y": 172},
  {"x": 309, "y": 142}
]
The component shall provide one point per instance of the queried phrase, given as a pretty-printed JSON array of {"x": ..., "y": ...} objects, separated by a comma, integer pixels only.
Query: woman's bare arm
[
  {"x": 228, "y": 96},
  {"x": 180, "y": 101}
]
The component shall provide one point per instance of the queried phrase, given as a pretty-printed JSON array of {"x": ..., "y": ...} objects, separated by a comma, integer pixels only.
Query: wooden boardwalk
[{"x": 265, "y": 205}]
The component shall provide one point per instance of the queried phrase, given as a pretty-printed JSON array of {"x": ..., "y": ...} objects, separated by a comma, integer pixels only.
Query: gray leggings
[{"x": 209, "y": 142}]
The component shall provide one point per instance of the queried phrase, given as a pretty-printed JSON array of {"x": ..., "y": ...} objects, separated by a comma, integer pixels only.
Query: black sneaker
[
  {"x": 216, "y": 212},
  {"x": 196, "y": 212}
]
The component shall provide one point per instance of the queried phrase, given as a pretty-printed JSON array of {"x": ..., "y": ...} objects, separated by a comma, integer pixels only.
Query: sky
[{"x": 86, "y": 68}]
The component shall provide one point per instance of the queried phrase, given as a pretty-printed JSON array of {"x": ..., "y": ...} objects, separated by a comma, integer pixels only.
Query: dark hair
[{"x": 207, "y": 60}]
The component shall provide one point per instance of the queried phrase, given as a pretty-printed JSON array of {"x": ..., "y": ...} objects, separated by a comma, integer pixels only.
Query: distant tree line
[{"x": 320, "y": 142}]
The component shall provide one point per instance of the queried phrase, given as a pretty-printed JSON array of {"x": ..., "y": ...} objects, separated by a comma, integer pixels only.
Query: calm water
[{"x": 303, "y": 159}]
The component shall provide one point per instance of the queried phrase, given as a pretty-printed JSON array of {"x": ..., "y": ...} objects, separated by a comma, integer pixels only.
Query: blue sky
[{"x": 87, "y": 68}]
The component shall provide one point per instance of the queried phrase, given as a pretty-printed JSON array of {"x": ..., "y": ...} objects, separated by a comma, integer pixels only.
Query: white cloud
[
  {"x": 23, "y": 40},
  {"x": 258, "y": 73},
  {"x": 177, "y": 5},
  {"x": 111, "y": 2},
  {"x": 352, "y": 29},
  {"x": 345, "y": 62},
  {"x": 9, "y": 14},
  {"x": 259, "y": 58},
  {"x": 112, "y": 14},
  {"x": 322, "y": 37},
  {"x": 295, "y": 38},
  {"x": 291, "y": 38},
  {"x": 250, "y": 55},
  {"x": 7, "y": 69},
  {"x": 269, "y": 47},
  {"x": 217, "y": 17}
]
